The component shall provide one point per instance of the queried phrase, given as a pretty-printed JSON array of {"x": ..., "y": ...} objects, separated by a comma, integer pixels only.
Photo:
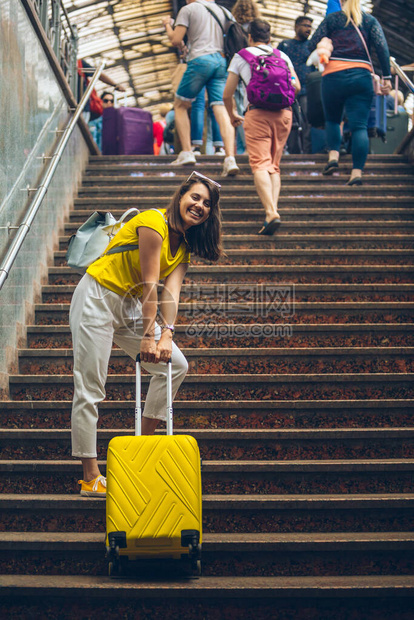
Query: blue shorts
[{"x": 209, "y": 71}]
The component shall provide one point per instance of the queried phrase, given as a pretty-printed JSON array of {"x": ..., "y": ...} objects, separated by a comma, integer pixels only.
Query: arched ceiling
[
  {"x": 129, "y": 35},
  {"x": 397, "y": 20}
]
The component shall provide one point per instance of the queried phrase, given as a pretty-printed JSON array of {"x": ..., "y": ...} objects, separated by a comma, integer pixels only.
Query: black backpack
[
  {"x": 168, "y": 134},
  {"x": 235, "y": 38}
]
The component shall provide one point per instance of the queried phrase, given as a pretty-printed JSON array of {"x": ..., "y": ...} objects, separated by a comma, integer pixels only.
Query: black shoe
[
  {"x": 356, "y": 181},
  {"x": 330, "y": 167}
]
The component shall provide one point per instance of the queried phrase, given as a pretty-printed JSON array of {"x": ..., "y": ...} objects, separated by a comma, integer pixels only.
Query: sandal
[
  {"x": 269, "y": 228},
  {"x": 330, "y": 167},
  {"x": 355, "y": 181}
]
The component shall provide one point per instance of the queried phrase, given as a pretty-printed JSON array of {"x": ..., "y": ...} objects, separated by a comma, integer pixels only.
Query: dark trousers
[{"x": 351, "y": 90}]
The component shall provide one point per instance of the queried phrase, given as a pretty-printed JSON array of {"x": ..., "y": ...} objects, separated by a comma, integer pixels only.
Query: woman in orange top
[{"x": 347, "y": 81}]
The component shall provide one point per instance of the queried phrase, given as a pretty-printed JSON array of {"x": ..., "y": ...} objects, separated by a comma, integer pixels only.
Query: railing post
[
  {"x": 56, "y": 27},
  {"x": 44, "y": 14},
  {"x": 73, "y": 62}
]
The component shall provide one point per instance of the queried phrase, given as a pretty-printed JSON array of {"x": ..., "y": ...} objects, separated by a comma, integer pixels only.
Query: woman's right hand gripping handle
[
  {"x": 149, "y": 352},
  {"x": 150, "y": 243}
]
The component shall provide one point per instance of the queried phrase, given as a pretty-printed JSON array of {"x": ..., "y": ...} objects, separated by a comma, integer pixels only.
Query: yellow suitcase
[{"x": 153, "y": 496}]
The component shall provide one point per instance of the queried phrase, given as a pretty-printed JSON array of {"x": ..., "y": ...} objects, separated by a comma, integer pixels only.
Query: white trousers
[{"x": 97, "y": 318}]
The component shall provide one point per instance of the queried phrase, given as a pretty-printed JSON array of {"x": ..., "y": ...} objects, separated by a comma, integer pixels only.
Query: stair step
[
  {"x": 159, "y": 195},
  {"x": 213, "y": 166},
  {"x": 297, "y": 242},
  {"x": 313, "y": 477},
  {"x": 272, "y": 256},
  {"x": 268, "y": 275},
  {"x": 217, "y": 595},
  {"x": 256, "y": 215},
  {"x": 236, "y": 387},
  {"x": 298, "y": 159},
  {"x": 240, "y": 444},
  {"x": 225, "y": 513},
  {"x": 242, "y": 360},
  {"x": 303, "y": 335},
  {"x": 207, "y": 321},
  {"x": 317, "y": 201},
  {"x": 227, "y": 414},
  {"x": 312, "y": 171},
  {"x": 372, "y": 597},
  {"x": 302, "y": 292},
  {"x": 168, "y": 185},
  {"x": 62, "y": 541},
  {"x": 273, "y": 554}
]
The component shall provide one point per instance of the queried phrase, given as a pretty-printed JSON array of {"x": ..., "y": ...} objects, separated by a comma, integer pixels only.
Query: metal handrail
[
  {"x": 65, "y": 13},
  {"x": 41, "y": 191},
  {"x": 401, "y": 74},
  {"x": 63, "y": 38}
]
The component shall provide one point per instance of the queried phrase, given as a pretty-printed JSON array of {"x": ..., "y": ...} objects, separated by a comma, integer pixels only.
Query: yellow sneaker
[{"x": 94, "y": 488}]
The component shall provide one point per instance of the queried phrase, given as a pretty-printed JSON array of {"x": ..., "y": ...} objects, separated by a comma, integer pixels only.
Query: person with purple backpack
[{"x": 271, "y": 83}]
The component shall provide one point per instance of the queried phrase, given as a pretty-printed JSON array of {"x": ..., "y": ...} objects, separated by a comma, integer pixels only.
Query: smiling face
[{"x": 195, "y": 206}]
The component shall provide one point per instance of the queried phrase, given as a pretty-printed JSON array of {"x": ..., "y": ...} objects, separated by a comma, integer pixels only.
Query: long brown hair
[{"x": 204, "y": 239}]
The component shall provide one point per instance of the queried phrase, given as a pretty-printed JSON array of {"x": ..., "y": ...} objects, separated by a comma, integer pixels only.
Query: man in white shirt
[
  {"x": 206, "y": 67},
  {"x": 266, "y": 131}
]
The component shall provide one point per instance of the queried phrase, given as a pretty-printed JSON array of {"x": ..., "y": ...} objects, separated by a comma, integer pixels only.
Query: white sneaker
[
  {"x": 196, "y": 150},
  {"x": 184, "y": 158},
  {"x": 220, "y": 151},
  {"x": 230, "y": 168}
]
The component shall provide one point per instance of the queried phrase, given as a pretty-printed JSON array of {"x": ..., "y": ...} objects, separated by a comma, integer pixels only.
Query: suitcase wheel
[
  {"x": 195, "y": 559},
  {"x": 115, "y": 568},
  {"x": 114, "y": 565},
  {"x": 194, "y": 570},
  {"x": 194, "y": 551}
]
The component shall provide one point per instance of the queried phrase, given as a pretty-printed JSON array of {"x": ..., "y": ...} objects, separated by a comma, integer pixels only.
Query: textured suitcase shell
[
  {"x": 135, "y": 132},
  {"x": 127, "y": 131},
  {"x": 153, "y": 493}
]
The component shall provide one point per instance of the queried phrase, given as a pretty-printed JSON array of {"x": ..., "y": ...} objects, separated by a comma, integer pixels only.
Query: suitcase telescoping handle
[{"x": 138, "y": 409}]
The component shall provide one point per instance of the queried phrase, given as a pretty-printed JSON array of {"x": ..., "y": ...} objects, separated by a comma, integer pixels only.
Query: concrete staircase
[{"x": 300, "y": 393}]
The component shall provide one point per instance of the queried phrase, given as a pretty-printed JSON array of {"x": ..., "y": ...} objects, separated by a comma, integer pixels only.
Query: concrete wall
[{"x": 33, "y": 108}]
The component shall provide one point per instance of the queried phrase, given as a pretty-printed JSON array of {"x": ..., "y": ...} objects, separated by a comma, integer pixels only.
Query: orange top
[{"x": 334, "y": 66}]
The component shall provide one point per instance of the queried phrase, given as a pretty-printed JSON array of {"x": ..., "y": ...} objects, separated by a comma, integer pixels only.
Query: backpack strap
[
  {"x": 129, "y": 247},
  {"x": 161, "y": 213},
  {"x": 250, "y": 58},
  {"x": 247, "y": 56},
  {"x": 121, "y": 248},
  {"x": 274, "y": 52},
  {"x": 227, "y": 14},
  {"x": 214, "y": 15}
]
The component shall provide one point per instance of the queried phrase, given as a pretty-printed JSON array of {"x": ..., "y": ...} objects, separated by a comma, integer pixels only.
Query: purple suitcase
[
  {"x": 109, "y": 132},
  {"x": 127, "y": 131}
]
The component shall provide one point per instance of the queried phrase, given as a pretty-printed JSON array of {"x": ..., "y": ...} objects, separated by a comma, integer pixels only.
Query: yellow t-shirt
[{"x": 121, "y": 273}]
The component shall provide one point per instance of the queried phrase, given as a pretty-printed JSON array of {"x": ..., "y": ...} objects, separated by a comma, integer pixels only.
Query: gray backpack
[{"x": 92, "y": 238}]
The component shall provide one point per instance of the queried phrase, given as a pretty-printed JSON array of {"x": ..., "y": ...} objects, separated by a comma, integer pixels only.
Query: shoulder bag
[{"x": 376, "y": 80}]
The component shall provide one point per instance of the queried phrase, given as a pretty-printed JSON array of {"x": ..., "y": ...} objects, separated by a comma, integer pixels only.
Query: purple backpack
[{"x": 271, "y": 85}]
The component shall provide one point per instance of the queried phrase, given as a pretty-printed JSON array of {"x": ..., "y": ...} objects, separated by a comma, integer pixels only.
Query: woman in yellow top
[{"x": 117, "y": 301}]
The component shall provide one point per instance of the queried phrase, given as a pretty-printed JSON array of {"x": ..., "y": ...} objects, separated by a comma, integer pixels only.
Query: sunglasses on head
[
  {"x": 108, "y": 100},
  {"x": 198, "y": 175}
]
